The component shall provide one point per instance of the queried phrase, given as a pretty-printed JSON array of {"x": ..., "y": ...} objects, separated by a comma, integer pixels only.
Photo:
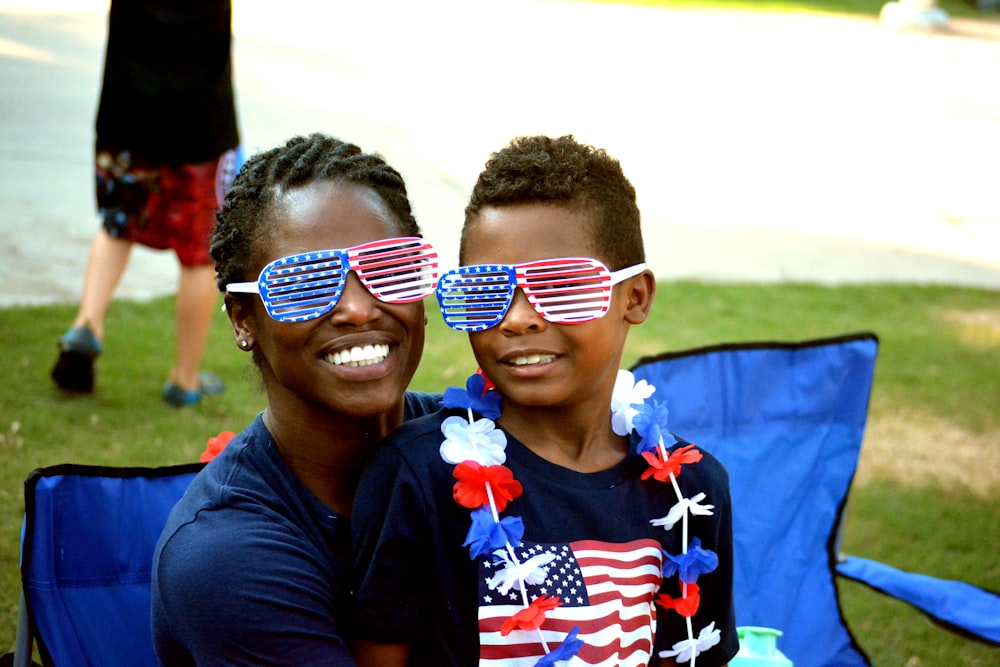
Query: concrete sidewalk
[{"x": 763, "y": 146}]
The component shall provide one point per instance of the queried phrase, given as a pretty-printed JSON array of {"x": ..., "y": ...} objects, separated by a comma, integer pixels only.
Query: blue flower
[
  {"x": 486, "y": 535},
  {"x": 474, "y": 397},
  {"x": 696, "y": 561},
  {"x": 651, "y": 424},
  {"x": 570, "y": 647}
]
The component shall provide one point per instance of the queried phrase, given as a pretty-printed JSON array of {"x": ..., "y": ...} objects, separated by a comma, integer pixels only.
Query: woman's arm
[{"x": 237, "y": 589}]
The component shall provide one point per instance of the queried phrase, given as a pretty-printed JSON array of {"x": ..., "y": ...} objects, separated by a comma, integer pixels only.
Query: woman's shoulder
[{"x": 243, "y": 483}]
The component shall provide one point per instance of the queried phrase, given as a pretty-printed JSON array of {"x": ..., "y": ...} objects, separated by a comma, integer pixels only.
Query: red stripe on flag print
[{"x": 607, "y": 590}]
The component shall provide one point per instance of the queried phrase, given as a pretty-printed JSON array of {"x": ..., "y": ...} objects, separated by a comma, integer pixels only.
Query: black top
[{"x": 167, "y": 92}]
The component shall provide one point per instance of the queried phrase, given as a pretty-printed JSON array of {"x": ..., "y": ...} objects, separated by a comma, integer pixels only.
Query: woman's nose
[{"x": 356, "y": 304}]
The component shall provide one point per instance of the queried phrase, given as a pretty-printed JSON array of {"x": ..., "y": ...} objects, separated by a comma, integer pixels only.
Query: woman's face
[{"x": 307, "y": 365}]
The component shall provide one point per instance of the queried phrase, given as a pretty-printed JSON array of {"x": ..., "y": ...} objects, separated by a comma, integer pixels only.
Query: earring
[{"x": 244, "y": 343}]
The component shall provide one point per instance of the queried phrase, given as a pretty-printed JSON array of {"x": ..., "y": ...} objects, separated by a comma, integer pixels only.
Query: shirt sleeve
[{"x": 233, "y": 590}]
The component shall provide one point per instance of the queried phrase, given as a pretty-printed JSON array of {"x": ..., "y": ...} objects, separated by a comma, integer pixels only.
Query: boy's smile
[{"x": 531, "y": 359}]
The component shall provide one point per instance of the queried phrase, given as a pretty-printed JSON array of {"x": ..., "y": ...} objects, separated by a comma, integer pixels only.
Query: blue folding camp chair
[
  {"x": 86, "y": 554},
  {"x": 787, "y": 420}
]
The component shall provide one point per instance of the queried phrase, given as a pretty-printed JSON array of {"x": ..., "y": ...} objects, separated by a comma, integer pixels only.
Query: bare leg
[
  {"x": 196, "y": 299},
  {"x": 79, "y": 347},
  {"x": 106, "y": 264}
]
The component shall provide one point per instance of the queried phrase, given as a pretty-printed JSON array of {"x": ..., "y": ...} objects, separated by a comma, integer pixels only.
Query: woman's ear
[
  {"x": 639, "y": 295},
  {"x": 241, "y": 317}
]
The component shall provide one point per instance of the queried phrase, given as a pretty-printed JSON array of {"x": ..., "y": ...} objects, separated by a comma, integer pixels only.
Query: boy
[{"x": 573, "y": 547}]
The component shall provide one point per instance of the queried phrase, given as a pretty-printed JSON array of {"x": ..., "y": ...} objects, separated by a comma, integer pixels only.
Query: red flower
[
  {"x": 470, "y": 489},
  {"x": 531, "y": 617},
  {"x": 662, "y": 469},
  {"x": 216, "y": 445},
  {"x": 685, "y": 606}
]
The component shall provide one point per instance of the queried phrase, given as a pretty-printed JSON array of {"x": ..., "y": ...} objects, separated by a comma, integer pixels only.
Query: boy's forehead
[{"x": 520, "y": 233}]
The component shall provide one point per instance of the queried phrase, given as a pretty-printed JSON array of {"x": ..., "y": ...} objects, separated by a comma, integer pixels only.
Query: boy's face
[{"x": 533, "y": 362}]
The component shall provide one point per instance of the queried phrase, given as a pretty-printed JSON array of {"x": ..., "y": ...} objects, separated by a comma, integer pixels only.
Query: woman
[{"x": 318, "y": 253}]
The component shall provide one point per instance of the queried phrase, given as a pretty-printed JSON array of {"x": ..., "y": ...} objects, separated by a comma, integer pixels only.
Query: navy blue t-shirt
[
  {"x": 252, "y": 568},
  {"x": 418, "y": 585}
]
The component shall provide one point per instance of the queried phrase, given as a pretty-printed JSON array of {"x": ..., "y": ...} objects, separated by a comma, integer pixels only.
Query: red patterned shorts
[{"x": 162, "y": 206}]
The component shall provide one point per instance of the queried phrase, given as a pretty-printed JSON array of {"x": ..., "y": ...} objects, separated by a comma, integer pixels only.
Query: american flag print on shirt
[{"x": 606, "y": 589}]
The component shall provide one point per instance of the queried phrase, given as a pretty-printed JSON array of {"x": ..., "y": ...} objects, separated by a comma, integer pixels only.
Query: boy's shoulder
[
  {"x": 419, "y": 426},
  {"x": 709, "y": 470},
  {"x": 416, "y": 404},
  {"x": 418, "y": 438},
  {"x": 411, "y": 451}
]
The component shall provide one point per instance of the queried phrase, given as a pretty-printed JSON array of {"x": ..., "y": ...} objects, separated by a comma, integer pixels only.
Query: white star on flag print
[{"x": 607, "y": 590}]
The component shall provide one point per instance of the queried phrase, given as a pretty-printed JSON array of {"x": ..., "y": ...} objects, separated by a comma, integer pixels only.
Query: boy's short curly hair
[
  {"x": 247, "y": 213},
  {"x": 563, "y": 171}
]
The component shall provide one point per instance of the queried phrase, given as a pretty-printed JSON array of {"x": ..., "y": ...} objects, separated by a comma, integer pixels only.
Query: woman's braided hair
[{"x": 247, "y": 211}]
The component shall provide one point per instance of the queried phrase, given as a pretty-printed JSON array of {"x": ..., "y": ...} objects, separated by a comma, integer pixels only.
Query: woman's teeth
[
  {"x": 532, "y": 359},
  {"x": 359, "y": 356}
]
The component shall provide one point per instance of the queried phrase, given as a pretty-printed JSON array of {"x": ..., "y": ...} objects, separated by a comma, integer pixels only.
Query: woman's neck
[{"x": 326, "y": 451}]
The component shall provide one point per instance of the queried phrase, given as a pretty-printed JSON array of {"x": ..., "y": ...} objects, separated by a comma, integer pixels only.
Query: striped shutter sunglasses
[
  {"x": 568, "y": 290},
  {"x": 308, "y": 285}
]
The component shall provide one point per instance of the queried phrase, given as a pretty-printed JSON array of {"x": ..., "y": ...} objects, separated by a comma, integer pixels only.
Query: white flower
[
  {"x": 479, "y": 441},
  {"x": 687, "y": 649},
  {"x": 531, "y": 571},
  {"x": 676, "y": 512},
  {"x": 627, "y": 392}
]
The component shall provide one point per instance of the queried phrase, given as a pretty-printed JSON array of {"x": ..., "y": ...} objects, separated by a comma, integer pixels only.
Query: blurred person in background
[{"x": 165, "y": 152}]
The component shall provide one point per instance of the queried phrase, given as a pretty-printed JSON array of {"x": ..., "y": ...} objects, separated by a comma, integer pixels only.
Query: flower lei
[
  {"x": 476, "y": 447},
  {"x": 215, "y": 445}
]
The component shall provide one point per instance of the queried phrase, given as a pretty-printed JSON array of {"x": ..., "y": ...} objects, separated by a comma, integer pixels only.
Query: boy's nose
[{"x": 521, "y": 316}]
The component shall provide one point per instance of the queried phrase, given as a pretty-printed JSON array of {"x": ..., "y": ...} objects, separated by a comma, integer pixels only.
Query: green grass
[{"x": 939, "y": 356}]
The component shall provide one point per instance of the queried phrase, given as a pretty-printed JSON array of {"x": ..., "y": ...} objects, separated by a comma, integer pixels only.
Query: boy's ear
[{"x": 639, "y": 295}]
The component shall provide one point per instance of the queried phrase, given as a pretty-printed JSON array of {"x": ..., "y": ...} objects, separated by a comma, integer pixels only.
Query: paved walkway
[{"x": 763, "y": 146}]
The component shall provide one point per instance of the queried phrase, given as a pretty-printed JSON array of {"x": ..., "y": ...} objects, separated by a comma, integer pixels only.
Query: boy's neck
[{"x": 575, "y": 438}]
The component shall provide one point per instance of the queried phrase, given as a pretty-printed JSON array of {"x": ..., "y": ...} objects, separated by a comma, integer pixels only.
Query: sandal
[{"x": 210, "y": 385}]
